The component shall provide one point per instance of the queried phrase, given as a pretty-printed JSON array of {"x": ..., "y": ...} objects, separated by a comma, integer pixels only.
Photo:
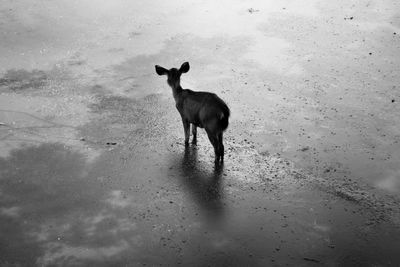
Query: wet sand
[{"x": 93, "y": 169}]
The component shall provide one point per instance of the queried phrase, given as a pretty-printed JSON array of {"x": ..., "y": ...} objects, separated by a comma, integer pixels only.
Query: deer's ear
[
  {"x": 161, "y": 71},
  {"x": 184, "y": 68}
]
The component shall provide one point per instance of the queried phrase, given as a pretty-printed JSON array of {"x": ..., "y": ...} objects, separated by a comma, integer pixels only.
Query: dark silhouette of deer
[{"x": 201, "y": 109}]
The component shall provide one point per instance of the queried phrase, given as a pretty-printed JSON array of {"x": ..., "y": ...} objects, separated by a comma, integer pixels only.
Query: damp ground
[{"x": 93, "y": 170}]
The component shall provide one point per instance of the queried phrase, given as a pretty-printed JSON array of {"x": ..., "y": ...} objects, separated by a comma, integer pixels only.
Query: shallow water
[
  {"x": 173, "y": 206},
  {"x": 92, "y": 166}
]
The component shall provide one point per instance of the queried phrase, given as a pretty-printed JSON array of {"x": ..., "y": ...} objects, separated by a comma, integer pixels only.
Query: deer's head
[{"x": 174, "y": 74}]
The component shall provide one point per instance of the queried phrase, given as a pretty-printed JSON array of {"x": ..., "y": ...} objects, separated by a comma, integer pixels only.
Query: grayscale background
[{"x": 93, "y": 168}]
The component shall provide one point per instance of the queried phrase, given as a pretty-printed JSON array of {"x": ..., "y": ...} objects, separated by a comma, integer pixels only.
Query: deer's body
[{"x": 201, "y": 109}]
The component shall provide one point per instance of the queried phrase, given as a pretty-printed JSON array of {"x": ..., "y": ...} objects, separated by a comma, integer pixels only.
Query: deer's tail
[{"x": 224, "y": 117}]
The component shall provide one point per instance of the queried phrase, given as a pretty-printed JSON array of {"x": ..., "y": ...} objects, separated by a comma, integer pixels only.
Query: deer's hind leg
[
  {"x": 214, "y": 141},
  {"x": 221, "y": 146}
]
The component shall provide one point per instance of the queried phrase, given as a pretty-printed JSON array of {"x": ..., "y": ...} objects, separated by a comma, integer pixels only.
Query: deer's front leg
[
  {"x": 186, "y": 128},
  {"x": 194, "y": 133}
]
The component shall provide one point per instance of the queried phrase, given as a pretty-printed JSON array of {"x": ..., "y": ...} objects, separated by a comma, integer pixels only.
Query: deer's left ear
[
  {"x": 161, "y": 71},
  {"x": 184, "y": 68}
]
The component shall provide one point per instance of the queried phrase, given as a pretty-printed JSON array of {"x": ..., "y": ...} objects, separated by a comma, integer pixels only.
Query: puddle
[
  {"x": 90, "y": 29},
  {"x": 202, "y": 182},
  {"x": 150, "y": 201},
  {"x": 45, "y": 187},
  {"x": 334, "y": 121},
  {"x": 271, "y": 53},
  {"x": 37, "y": 119},
  {"x": 390, "y": 182},
  {"x": 22, "y": 79},
  {"x": 334, "y": 157}
]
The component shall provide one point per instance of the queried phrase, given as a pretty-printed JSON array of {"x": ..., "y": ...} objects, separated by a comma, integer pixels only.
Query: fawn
[{"x": 201, "y": 109}]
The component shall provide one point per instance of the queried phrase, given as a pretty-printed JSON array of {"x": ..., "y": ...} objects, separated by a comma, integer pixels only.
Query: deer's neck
[{"x": 176, "y": 91}]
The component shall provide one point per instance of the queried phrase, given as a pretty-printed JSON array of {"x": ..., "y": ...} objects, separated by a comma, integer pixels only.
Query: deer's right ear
[{"x": 161, "y": 71}]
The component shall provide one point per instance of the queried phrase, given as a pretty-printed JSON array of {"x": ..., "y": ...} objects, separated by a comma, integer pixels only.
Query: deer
[{"x": 199, "y": 109}]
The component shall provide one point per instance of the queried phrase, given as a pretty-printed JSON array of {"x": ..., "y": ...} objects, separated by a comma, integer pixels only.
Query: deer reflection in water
[{"x": 205, "y": 186}]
